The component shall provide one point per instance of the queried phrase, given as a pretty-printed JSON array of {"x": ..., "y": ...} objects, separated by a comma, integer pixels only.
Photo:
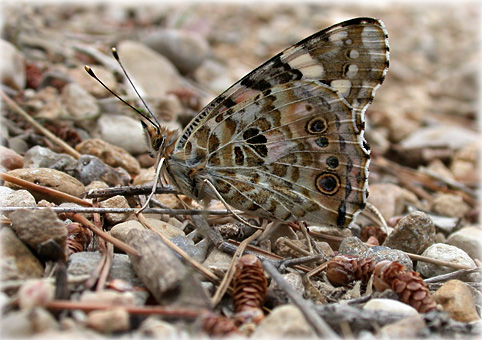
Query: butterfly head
[{"x": 160, "y": 140}]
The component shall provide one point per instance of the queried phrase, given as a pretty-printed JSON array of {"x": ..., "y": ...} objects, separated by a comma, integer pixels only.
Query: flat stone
[{"x": 456, "y": 299}]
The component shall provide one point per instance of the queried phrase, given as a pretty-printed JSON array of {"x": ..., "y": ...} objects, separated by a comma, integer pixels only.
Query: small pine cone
[
  {"x": 78, "y": 238},
  {"x": 343, "y": 269},
  {"x": 217, "y": 326},
  {"x": 409, "y": 286},
  {"x": 249, "y": 289}
]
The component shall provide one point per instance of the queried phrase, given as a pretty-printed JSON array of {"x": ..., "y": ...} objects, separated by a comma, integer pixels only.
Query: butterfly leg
[
  {"x": 219, "y": 197},
  {"x": 154, "y": 187}
]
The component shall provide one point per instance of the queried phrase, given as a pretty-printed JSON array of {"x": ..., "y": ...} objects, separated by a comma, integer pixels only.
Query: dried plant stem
[
  {"x": 306, "y": 307},
  {"x": 223, "y": 287},
  {"x": 145, "y": 310},
  {"x": 297, "y": 248},
  {"x": 44, "y": 190},
  {"x": 119, "y": 244},
  {"x": 416, "y": 257},
  {"x": 129, "y": 191},
  {"x": 14, "y": 106},
  {"x": 109, "y": 257},
  {"x": 453, "y": 275}
]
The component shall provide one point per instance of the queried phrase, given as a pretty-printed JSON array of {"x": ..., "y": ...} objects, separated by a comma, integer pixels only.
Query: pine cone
[
  {"x": 249, "y": 289},
  {"x": 409, "y": 286},
  {"x": 343, "y": 269}
]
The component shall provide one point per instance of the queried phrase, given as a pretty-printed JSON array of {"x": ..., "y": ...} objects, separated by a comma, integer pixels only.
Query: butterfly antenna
[
  {"x": 116, "y": 56},
  {"x": 89, "y": 70}
]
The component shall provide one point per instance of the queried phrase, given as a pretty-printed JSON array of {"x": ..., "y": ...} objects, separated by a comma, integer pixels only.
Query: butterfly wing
[{"x": 286, "y": 141}]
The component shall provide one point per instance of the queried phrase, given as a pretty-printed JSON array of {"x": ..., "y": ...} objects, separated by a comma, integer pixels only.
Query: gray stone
[
  {"x": 413, "y": 233},
  {"x": 12, "y": 67},
  {"x": 469, "y": 239},
  {"x": 78, "y": 102},
  {"x": 41, "y": 157},
  {"x": 186, "y": 50}
]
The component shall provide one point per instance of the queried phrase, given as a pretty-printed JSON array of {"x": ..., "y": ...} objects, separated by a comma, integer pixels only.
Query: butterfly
[{"x": 286, "y": 142}]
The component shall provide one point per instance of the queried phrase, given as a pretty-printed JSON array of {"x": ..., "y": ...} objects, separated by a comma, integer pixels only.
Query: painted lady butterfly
[{"x": 286, "y": 141}]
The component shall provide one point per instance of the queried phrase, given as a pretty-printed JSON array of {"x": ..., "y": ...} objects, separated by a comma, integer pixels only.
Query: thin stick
[
  {"x": 171, "y": 212},
  {"x": 416, "y": 257},
  {"x": 44, "y": 190},
  {"x": 306, "y": 307},
  {"x": 118, "y": 243},
  {"x": 145, "y": 310},
  {"x": 223, "y": 287},
  {"x": 14, "y": 106}
]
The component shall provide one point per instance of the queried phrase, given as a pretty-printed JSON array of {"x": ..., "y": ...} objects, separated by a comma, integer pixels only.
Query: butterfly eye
[{"x": 156, "y": 143}]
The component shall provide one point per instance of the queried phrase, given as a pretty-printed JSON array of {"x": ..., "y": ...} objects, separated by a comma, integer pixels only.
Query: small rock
[
  {"x": 109, "y": 297},
  {"x": 42, "y": 231},
  {"x": 27, "y": 323},
  {"x": 80, "y": 77},
  {"x": 469, "y": 239},
  {"x": 389, "y": 305},
  {"x": 110, "y": 154},
  {"x": 155, "y": 328},
  {"x": 413, "y": 233},
  {"x": 18, "y": 198},
  {"x": 155, "y": 75},
  {"x": 46, "y": 103},
  {"x": 284, "y": 322},
  {"x": 450, "y": 205},
  {"x": 381, "y": 253},
  {"x": 456, "y": 299},
  {"x": 84, "y": 263},
  {"x": 90, "y": 168},
  {"x": 9, "y": 159},
  {"x": 115, "y": 202},
  {"x": 186, "y": 50},
  {"x": 353, "y": 246},
  {"x": 78, "y": 102},
  {"x": 35, "y": 293},
  {"x": 465, "y": 164},
  {"x": 12, "y": 68},
  {"x": 218, "y": 261},
  {"x": 122, "y": 131},
  {"x": 390, "y": 199},
  {"x": 121, "y": 230},
  {"x": 18, "y": 144},
  {"x": 18, "y": 262},
  {"x": 197, "y": 251},
  {"x": 108, "y": 321},
  {"x": 49, "y": 178},
  {"x": 444, "y": 252},
  {"x": 41, "y": 157},
  {"x": 441, "y": 136},
  {"x": 407, "y": 328}
]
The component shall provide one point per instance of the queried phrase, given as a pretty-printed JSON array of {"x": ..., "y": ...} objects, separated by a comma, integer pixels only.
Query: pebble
[
  {"x": 381, "y": 253},
  {"x": 80, "y": 76},
  {"x": 42, "y": 231},
  {"x": 440, "y": 136},
  {"x": 18, "y": 261},
  {"x": 78, "y": 102},
  {"x": 35, "y": 293},
  {"x": 464, "y": 164},
  {"x": 450, "y": 205},
  {"x": 389, "y": 305},
  {"x": 407, "y": 328},
  {"x": 108, "y": 321},
  {"x": 413, "y": 233},
  {"x": 121, "y": 230},
  {"x": 469, "y": 239},
  {"x": 445, "y": 252},
  {"x": 18, "y": 144},
  {"x": 110, "y": 154},
  {"x": 218, "y": 261},
  {"x": 16, "y": 198},
  {"x": 155, "y": 75},
  {"x": 284, "y": 322},
  {"x": 186, "y": 50},
  {"x": 390, "y": 199},
  {"x": 197, "y": 251},
  {"x": 456, "y": 299},
  {"x": 122, "y": 131},
  {"x": 41, "y": 157},
  {"x": 27, "y": 323},
  {"x": 89, "y": 169},
  {"x": 154, "y": 328},
  {"x": 115, "y": 202},
  {"x": 12, "y": 67},
  {"x": 9, "y": 159},
  {"x": 49, "y": 178},
  {"x": 84, "y": 263}
]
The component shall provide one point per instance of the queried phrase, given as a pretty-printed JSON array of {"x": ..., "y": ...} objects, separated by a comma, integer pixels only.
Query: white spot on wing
[
  {"x": 354, "y": 54},
  {"x": 342, "y": 85},
  {"x": 303, "y": 60},
  {"x": 352, "y": 71},
  {"x": 313, "y": 71}
]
